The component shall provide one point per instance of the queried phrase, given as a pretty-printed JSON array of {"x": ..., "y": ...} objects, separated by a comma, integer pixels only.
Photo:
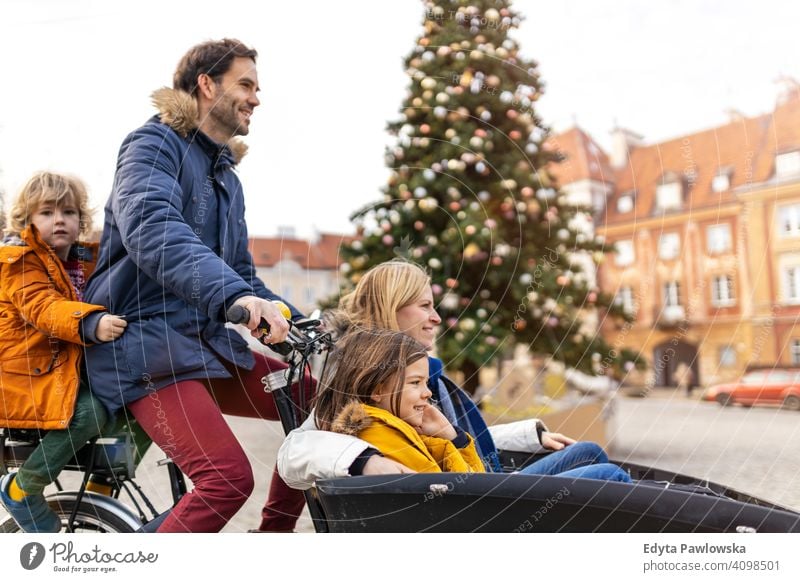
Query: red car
[{"x": 767, "y": 386}]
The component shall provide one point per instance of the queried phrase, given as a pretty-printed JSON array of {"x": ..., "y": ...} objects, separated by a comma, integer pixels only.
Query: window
[
  {"x": 787, "y": 164},
  {"x": 309, "y": 295},
  {"x": 795, "y": 352},
  {"x": 721, "y": 182},
  {"x": 722, "y": 291},
  {"x": 286, "y": 292},
  {"x": 624, "y": 299},
  {"x": 789, "y": 220},
  {"x": 669, "y": 246},
  {"x": 719, "y": 238},
  {"x": 625, "y": 254},
  {"x": 668, "y": 196},
  {"x": 727, "y": 356},
  {"x": 672, "y": 294},
  {"x": 625, "y": 203},
  {"x": 791, "y": 284}
]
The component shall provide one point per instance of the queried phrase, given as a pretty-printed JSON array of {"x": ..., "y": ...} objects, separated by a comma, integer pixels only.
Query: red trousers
[{"x": 185, "y": 421}]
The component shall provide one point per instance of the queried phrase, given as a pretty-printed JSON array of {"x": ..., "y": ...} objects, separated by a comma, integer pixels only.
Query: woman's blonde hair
[
  {"x": 52, "y": 188},
  {"x": 379, "y": 294},
  {"x": 365, "y": 361}
]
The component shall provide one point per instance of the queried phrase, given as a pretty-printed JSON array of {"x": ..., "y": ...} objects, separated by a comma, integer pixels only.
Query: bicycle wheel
[{"x": 89, "y": 519}]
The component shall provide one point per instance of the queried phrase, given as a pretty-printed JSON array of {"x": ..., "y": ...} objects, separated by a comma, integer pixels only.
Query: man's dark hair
[{"x": 213, "y": 58}]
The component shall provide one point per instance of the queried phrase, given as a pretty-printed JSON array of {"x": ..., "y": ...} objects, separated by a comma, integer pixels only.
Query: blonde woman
[{"x": 397, "y": 295}]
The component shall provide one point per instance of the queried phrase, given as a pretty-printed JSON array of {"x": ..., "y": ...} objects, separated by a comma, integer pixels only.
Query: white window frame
[
  {"x": 669, "y": 246},
  {"x": 790, "y": 274},
  {"x": 626, "y": 254},
  {"x": 718, "y": 238},
  {"x": 672, "y": 294},
  {"x": 787, "y": 164},
  {"x": 625, "y": 299},
  {"x": 727, "y": 356},
  {"x": 669, "y": 196},
  {"x": 794, "y": 352},
  {"x": 722, "y": 291},
  {"x": 789, "y": 220}
]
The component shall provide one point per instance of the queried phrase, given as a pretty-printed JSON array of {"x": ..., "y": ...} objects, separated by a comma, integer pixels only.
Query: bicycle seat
[{"x": 22, "y": 435}]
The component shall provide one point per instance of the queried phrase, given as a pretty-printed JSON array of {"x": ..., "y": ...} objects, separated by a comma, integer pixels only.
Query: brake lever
[{"x": 240, "y": 315}]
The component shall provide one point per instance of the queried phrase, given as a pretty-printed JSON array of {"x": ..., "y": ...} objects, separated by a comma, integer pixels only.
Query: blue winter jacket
[{"x": 173, "y": 257}]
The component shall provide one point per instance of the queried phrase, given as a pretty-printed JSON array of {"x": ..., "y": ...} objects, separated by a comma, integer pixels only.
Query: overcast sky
[{"x": 77, "y": 75}]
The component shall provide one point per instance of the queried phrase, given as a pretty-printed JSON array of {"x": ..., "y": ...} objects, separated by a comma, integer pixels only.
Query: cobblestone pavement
[{"x": 754, "y": 450}]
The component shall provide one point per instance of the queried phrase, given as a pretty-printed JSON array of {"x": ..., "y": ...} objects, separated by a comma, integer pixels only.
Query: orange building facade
[{"x": 706, "y": 229}]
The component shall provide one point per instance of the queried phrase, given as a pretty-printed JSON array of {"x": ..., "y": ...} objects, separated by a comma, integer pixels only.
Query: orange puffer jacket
[{"x": 40, "y": 341}]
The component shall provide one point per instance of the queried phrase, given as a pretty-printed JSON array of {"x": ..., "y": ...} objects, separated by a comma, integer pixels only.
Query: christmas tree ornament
[
  {"x": 471, "y": 250},
  {"x": 467, "y": 324}
]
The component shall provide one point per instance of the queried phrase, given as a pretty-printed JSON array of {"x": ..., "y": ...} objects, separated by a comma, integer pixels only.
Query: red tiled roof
[
  {"x": 745, "y": 148},
  {"x": 696, "y": 158},
  {"x": 324, "y": 254},
  {"x": 584, "y": 159},
  {"x": 783, "y": 134}
]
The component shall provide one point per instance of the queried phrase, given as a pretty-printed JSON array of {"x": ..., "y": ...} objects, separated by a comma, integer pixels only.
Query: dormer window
[
  {"x": 669, "y": 194},
  {"x": 787, "y": 164},
  {"x": 721, "y": 182},
  {"x": 625, "y": 203}
]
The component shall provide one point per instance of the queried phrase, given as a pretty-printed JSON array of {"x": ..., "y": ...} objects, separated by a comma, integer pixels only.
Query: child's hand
[
  {"x": 435, "y": 423},
  {"x": 110, "y": 327}
]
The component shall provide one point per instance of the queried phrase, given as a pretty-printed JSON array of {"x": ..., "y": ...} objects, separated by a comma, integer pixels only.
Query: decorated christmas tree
[{"x": 470, "y": 199}]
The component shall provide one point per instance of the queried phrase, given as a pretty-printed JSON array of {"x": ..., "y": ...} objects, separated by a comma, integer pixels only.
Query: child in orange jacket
[
  {"x": 378, "y": 391},
  {"x": 43, "y": 326}
]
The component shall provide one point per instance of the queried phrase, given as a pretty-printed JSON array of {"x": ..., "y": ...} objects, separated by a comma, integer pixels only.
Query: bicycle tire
[{"x": 89, "y": 519}]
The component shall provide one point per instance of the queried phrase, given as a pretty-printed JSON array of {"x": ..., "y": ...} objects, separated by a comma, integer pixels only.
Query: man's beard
[{"x": 225, "y": 116}]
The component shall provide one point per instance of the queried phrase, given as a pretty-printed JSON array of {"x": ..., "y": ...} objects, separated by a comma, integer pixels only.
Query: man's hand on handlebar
[
  {"x": 378, "y": 465},
  {"x": 260, "y": 308}
]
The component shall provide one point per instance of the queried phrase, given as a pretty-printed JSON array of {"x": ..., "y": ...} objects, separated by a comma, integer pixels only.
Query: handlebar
[
  {"x": 240, "y": 315},
  {"x": 303, "y": 334}
]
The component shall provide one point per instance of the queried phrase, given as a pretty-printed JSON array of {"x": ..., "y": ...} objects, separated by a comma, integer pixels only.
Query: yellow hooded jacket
[{"x": 397, "y": 440}]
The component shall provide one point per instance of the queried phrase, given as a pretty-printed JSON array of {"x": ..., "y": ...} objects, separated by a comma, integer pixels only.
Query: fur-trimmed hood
[
  {"x": 178, "y": 109},
  {"x": 351, "y": 420}
]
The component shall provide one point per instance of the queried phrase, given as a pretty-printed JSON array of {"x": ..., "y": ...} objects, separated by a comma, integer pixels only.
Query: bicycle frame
[{"x": 305, "y": 343}]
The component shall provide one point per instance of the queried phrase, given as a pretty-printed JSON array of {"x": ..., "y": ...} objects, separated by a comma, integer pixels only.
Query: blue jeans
[{"x": 581, "y": 460}]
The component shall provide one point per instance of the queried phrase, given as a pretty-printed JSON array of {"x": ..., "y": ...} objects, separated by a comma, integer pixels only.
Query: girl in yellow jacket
[
  {"x": 377, "y": 390},
  {"x": 43, "y": 324}
]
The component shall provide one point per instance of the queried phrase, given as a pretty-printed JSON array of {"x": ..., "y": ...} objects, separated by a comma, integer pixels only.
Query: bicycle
[
  {"x": 111, "y": 460},
  {"x": 107, "y": 461}
]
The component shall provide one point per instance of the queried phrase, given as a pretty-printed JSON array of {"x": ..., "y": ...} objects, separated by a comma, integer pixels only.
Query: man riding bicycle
[{"x": 173, "y": 259}]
